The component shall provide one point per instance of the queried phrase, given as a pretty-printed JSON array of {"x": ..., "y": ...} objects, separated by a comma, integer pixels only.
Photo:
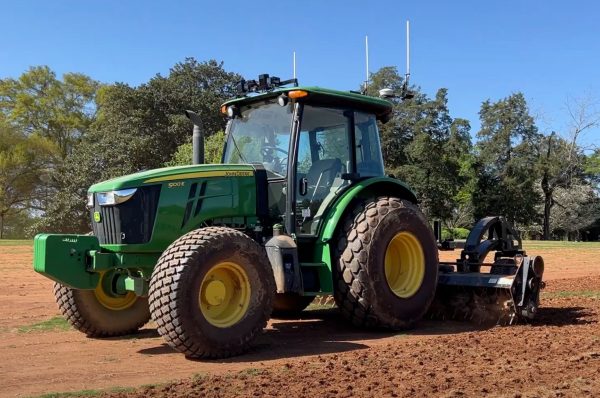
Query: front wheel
[
  {"x": 211, "y": 293},
  {"x": 386, "y": 265},
  {"x": 100, "y": 314}
]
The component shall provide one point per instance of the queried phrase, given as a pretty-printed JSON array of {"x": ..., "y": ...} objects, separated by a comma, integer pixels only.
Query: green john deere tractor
[{"x": 299, "y": 207}]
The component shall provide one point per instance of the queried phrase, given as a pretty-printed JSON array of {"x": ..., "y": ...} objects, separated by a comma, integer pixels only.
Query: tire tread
[
  {"x": 165, "y": 288},
  {"x": 351, "y": 278},
  {"x": 67, "y": 301}
]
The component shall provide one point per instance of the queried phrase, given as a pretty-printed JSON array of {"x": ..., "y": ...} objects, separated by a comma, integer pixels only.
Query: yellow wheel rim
[
  {"x": 224, "y": 294},
  {"x": 404, "y": 265},
  {"x": 115, "y": 302}
]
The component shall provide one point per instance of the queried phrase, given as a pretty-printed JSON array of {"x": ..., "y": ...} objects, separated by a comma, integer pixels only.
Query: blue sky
[{"x": 549, "y": 50}]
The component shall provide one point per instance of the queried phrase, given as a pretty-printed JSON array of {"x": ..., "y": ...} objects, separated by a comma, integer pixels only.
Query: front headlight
[
  {"x": 115, "y": 197},
  {"x": 90, "y": 202}
]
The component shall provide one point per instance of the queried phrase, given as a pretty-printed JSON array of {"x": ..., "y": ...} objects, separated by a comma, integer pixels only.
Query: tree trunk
[
  {"x": 548, "y": 191},
  {"x": 1, "y": 226},
  {"x": 547, "y": 208}
]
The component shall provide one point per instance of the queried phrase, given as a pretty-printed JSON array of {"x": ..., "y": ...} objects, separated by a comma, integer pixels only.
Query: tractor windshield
[{"x": 261, "y": 134}]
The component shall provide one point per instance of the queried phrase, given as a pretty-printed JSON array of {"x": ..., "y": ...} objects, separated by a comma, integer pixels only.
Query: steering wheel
[
  {"x": 277, "y": 165},
  {"x": 265, "y": 150}
]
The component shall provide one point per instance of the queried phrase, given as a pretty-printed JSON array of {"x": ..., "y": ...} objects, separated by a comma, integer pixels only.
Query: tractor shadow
[
  {"x": 322, "y": 331},
  {"x": 564, "y": 316},
  {"x": 142, "y": 334}
]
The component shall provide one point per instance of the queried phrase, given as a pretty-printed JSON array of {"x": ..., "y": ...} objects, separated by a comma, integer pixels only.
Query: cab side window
[{"x": 368, "y": 151}]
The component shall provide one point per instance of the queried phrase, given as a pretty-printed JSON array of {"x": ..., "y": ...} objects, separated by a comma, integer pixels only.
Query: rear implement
[{"x": 503, "y": 291}]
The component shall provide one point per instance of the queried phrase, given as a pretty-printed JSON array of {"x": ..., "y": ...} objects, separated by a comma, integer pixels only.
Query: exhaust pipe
[{"x": 197, "y": 138}]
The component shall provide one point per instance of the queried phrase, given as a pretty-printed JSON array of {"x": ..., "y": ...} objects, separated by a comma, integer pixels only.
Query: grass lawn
[
  {"x": 16, "y": 242},
  {"x": 56, "y": 323},
  {"x": 559, "y": 244}
]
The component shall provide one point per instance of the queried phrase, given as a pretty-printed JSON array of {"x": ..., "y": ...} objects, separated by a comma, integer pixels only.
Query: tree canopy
[
  {"x": 60, "y": 135},
  {"x": 506, "y": 158},
  {"x": 138, "y": 128},
  {"x": 423, "y": 145},
  {"x": 24, "y": 165},
  {"x": 37, "y": 103}
]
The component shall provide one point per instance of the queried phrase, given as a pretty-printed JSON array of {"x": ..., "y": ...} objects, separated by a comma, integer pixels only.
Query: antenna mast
[
  {"x": 294, "y": 62},
  {"x": 406, "y": 94},
  {"x": 367, "y": 63},
  {"x": 407, "y": 50}
]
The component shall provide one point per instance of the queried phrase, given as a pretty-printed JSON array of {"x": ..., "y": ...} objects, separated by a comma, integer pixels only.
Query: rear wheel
[
  {"x": 211, "y": 293},
  {"x": 386, "y": 264},
  {"x": 289, "y": 305},
  {"x": 99, "y": 313}
]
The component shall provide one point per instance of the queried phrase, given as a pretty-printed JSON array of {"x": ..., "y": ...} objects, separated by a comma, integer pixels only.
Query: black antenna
[{"x": 366, "y": 86}]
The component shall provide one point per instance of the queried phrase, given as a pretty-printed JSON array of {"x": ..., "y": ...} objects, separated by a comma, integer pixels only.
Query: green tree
[
  {"x": 138, "y": 128},
  {"x": 39, "y": 103},
  {"x": 460, "y": 149},
  {"x": 213, "y": 150},
  {"x": 150, "y": 119},
  {"x": 433, "y": 158},
  {"x": 592, "y": 167},
  {"x": 24, "y": 163},
  {"x": 399, "y": 131},
  {"x": 423, "y": 145},
  {"x": 506, "y": 160}
]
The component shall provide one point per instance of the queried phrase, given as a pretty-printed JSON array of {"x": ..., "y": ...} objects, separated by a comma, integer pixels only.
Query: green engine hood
[{"x": 173, "y": 174}]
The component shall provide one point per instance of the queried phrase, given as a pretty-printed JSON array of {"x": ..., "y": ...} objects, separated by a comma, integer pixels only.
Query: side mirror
[{"x": 194, "y": 117}]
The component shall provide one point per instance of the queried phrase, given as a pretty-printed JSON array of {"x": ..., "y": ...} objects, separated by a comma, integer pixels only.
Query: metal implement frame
[{"x": 517, "y": 276}]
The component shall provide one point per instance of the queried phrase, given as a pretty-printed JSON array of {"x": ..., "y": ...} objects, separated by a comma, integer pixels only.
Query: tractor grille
[{"x": 130, "y": 222}]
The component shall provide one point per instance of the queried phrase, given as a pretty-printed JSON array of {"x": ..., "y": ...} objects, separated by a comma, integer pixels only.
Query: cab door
[{"x": 324, "y": 160}]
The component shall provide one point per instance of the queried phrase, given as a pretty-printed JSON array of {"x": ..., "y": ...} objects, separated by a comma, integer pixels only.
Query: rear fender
[{"x": 371, "y": 187}]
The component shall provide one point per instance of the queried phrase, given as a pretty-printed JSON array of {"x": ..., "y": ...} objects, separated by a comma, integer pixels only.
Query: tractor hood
[{"x": 176, "y": 173}]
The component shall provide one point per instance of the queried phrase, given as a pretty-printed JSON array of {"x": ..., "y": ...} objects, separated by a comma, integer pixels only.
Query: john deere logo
[{"x": 97, "y": 216}]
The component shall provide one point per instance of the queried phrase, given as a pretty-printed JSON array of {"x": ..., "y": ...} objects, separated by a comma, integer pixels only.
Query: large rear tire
[
  {"x": 97, "y": 314},
  {"x": 385, "y": 273},
  {"x": 290, "y": 305},
  {"x": 211, "y": 293}
]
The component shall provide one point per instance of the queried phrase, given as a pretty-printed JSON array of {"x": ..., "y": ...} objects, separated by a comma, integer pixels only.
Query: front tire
[
  {"x": 385, "y": 272},
  {"x": 97, "y": 314},
  {"x": 211, "y": 293}
]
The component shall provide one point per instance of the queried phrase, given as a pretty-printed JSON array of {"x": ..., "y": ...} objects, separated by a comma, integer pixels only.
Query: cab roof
[{"x": 324, "y": 97}]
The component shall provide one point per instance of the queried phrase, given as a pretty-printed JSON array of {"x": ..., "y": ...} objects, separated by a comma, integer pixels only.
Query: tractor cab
[{"x": 311, "y": 148}]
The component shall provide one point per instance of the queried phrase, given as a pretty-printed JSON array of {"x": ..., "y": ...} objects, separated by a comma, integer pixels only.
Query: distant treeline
[{"x": 59, "y": 136}]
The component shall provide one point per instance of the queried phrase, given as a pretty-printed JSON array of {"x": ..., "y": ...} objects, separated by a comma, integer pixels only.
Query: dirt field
[{"x": 319, "y": 355}]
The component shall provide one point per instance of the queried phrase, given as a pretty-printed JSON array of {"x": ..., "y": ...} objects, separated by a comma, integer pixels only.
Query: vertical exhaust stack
[{"x": 197, "y": 138}]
